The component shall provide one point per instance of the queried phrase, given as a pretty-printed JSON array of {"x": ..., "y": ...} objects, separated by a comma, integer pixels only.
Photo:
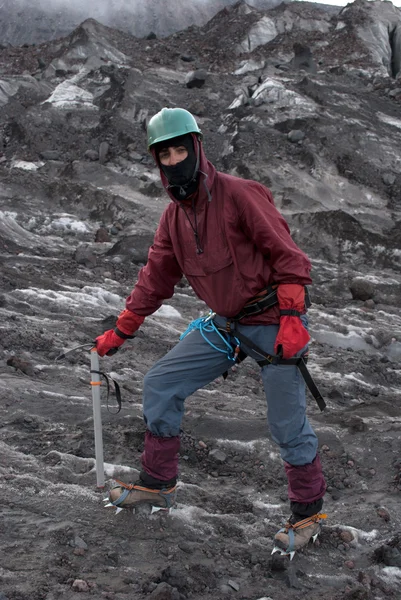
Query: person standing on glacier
[{"x": 235, "y": 249}]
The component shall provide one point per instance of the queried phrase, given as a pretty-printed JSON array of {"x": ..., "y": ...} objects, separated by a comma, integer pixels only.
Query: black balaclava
[{"x": 182, "y": 177}]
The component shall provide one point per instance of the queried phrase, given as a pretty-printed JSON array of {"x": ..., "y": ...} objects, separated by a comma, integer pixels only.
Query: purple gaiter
[
  {"x": 160, "y": 456},
  {"x": 306, "y": 482}
]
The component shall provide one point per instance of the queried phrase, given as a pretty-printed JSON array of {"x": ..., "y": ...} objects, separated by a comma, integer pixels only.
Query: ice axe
[{"x": 95, "y": 382}]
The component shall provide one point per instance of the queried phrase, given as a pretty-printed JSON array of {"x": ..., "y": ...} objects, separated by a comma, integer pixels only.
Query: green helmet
[{"x": 170, "y": 123}]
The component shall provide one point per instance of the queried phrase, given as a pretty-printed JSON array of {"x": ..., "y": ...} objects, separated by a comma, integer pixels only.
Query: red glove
[
  {"x": 107, "y": 342},
  {"x": 127, "y": 323},
  {"x": 292, "y": 335}
]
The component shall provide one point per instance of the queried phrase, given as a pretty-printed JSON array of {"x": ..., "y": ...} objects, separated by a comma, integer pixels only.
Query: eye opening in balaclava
[{"x": 182, "y": 177}]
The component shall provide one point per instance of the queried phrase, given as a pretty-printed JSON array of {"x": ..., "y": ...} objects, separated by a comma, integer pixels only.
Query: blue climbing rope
[{"x": 206, "y": 325}]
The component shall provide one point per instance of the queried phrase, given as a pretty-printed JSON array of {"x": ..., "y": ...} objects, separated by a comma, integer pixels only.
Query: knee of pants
[
  {"x": 152, "y": 391},
  {"x": 153, "y": 383},
  {"x": 162, "y": 409},
  {"x": 296, "y": 447}
]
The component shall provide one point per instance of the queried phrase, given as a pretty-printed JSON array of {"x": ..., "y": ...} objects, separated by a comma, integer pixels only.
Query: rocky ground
[{"x": 80, "y": 199}]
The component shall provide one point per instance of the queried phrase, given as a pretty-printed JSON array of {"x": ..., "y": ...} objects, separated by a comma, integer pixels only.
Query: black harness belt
[
  {"x": 264, "y": 300},
  {"x": 268, "y": 359}
]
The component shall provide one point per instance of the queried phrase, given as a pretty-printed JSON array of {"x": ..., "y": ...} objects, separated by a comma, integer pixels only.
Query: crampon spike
[{"x": 284, "y": 552}]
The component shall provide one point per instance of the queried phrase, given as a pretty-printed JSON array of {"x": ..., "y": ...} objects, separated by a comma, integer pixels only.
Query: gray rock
[
  {"x": 102, "y": 235},
  {"x": 135, "y": 155},
  {"x": 361, "y": 289},
  {"x": 79, "y": 543},
  {"x": 197, "y": 108},
  {"x": 196, "y": 79},
  {"x": 218, "y": 455},
  {"x": 92, "y": 155},
  {"x": 233, "y": 584},
  {"x": 103, "y": 152},
  {"x": 303, "y": 58},
  {"x": 296, "y": 135},
  {"x": 85, "y": 256},
  {"x": 388, "y": 178},
  {"x": 163, "y": 591},
  {"x": 50, "y": 155},
  {"x": 135, "y": 247}
]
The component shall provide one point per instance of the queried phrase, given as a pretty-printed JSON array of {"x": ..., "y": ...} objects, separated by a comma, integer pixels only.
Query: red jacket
[{"x": 246, "y": 246}]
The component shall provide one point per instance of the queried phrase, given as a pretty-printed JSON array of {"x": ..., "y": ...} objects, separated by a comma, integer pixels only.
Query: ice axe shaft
[{"x": 97, "y": 418}]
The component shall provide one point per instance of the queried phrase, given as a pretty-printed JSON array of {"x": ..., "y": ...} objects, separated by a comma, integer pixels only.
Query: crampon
[
  {"x": 294, "y": 536},
  {"x": 131, "y": 495}
]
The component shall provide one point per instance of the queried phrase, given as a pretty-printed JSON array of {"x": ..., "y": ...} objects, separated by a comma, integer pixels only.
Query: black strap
[
  {"x": 314, "y": 390},
  {"x": 116, "y": 390},
  {"x": 290, "y": 312},
  {"x": 123, "y": 335},
  {"x": 261, "y": 303},
  {"x": 300, "y": 362}
]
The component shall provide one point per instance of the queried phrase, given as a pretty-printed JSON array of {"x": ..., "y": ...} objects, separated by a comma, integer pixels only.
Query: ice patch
[
  {"x": 26, "y": 165},
  {"x": 389, "y": 120},
  {"x": 110, "y": 470},
  {"x": 168, "y": 312},
  {"x": 238, "y": 444},
  {"x": 192, "y": 515},
  {"x": 261, "y": 33},
  {"x": 10, "y": 229},
  {"x": 46, "y": 393},
  {"x": 394, "y": 350},
  {"x": 68, "y": 95},
  {"x": 274, "y": 92},
  {"x": 359, "y": 534},
  {"x": 68, "y": 223},
  {"x": 248, "y": 66},
  {"x": 88, "y": 297},
  {"x": 7, "y": 89},
  {"x": 391, "y": 574},
  {"x": 358, "y": 378},
  {"x": 271, "y": 508},
  {"x": 338, "y": 340},
  {"x": 181, "y": 484}
]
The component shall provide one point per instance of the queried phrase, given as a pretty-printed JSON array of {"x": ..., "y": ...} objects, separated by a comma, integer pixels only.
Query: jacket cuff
[{"x": 122, "y": 335}]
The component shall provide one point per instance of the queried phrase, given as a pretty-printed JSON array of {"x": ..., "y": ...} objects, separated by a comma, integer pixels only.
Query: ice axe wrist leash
[{"x": 95, "y": 382}]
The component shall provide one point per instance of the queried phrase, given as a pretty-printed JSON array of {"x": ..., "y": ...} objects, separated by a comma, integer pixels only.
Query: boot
[
  {"x": 130, "y": 495},
  {"x": 297, "y": 533}
]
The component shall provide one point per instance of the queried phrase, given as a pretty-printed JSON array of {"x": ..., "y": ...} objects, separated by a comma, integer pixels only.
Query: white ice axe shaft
[{"x": 97, "y": 417}]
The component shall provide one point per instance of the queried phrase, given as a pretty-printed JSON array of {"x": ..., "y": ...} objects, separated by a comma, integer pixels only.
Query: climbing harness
[
  {"x": 233, "y": 350},
  {"x": 264, "y": 300},
  {"x": 269, "y": 359},
  {"x": 206, "y": 325}
]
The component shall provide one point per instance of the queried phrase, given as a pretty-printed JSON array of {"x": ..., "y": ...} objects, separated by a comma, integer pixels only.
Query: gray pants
[{"x": 193, "y": 363}]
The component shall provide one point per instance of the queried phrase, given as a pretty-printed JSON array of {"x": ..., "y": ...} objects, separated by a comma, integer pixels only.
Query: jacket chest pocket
[{"x": 208, "y": 263}]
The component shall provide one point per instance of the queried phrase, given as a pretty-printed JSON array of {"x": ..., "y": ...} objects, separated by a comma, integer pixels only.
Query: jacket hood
[{"x": 206, "y": 175}]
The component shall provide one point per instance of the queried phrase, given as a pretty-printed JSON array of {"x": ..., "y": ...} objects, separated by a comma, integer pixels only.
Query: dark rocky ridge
[
  {"x": 306, "y": 102},
  {"x": 24, "y": 22}
]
